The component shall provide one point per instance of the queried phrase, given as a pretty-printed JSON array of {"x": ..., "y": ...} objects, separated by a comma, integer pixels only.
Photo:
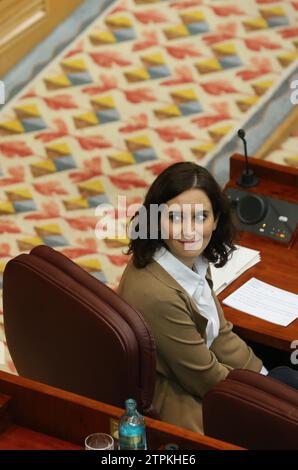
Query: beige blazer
[{"x": 186, "y": 368}]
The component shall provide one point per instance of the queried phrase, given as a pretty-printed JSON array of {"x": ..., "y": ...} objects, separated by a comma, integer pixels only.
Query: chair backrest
[
  {"x": 67, "y": 329},
  {"x": 252, "y": 411}
]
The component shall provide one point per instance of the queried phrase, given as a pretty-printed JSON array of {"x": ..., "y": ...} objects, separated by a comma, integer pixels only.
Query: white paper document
[
  {"x": 265, "y": 301},
  {"x": 242, "y": 259}
]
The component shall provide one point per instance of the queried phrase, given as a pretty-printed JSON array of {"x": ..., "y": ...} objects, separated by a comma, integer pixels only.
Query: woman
[{"x": 168, "y": 280}]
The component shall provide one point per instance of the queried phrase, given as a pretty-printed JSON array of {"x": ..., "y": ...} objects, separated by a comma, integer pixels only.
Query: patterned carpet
[{"x": 148, "y": 84}]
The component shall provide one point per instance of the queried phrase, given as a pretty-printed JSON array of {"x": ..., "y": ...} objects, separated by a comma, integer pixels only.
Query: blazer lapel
[{"x": 159, "y": 272}]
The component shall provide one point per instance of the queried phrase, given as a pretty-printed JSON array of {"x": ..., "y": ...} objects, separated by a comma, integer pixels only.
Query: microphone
[{"x": 247, "y": 179}]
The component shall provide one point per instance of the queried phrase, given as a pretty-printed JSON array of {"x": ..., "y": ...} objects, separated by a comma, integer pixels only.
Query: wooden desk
[
  {"x": 279, "y": 263},
  {"x": 35, "y": 416}
]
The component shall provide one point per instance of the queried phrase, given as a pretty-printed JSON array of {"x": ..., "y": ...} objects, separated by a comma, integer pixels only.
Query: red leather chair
[
  {"x": 67, "y": 329},
  {"x": 252, "y": 411}
]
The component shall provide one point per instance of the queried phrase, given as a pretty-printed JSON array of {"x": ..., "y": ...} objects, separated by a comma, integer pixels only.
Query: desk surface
[
  {"x": 279, "y": 263},
  {"x": 36, "y": 416}
]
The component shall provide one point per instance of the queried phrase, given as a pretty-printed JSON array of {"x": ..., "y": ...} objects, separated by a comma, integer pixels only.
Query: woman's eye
[
  {"x": 178, "y": 217},
  {"x": 200, "y": 216},
  {"x": 175, "y": 217}
]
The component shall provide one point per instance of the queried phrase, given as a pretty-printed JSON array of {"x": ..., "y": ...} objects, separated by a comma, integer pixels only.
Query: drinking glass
[{"x": 99, "y": 441}]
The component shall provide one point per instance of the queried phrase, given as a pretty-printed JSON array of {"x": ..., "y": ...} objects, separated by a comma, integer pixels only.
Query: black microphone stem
[
  {"x": 245, "y": 154},
  {"x": 247, "y": 179}
]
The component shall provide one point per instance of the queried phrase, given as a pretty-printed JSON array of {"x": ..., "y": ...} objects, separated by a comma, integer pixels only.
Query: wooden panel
[
  {"x": 44, "y": 417},
  {"x": 24, "y": 23},
  {"x": 17, "y": 438},
  {"x": 17, "y": 16}
]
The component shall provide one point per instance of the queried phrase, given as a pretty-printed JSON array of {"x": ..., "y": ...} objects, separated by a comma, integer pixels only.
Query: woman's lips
[{"x": 191, "y": 244}]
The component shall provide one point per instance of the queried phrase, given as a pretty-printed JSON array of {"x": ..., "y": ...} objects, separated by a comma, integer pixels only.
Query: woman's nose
[{"x": 192, "y": 230}]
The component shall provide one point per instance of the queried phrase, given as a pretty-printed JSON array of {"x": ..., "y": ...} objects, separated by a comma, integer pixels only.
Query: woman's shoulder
[
  {"x": 140, "y": 286},
  {"x": 133, "y": 277}
]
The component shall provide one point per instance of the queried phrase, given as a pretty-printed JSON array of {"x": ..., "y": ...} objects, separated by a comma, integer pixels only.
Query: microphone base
[{"x": 248, "y": 179}]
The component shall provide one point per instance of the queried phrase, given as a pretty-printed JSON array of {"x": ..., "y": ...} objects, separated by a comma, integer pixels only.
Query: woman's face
[{"x": 190, "y": 222}]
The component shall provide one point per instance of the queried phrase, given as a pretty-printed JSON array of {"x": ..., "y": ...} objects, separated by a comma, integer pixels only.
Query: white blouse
[
  {"x": 197, "y": 287},
  {"x": 195, "y": 284}
]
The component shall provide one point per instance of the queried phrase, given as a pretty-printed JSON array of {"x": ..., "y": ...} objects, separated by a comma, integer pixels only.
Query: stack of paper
[
  {"x": 265, "y": 301},
  {"x": 242, "y": 259}
]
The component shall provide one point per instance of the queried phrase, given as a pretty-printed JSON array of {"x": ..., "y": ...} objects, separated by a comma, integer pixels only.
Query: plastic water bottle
[{"x": 132, "y": 433}]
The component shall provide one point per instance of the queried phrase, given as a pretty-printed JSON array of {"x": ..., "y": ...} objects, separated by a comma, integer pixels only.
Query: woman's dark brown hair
[{"x": 171, "y": 182}]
